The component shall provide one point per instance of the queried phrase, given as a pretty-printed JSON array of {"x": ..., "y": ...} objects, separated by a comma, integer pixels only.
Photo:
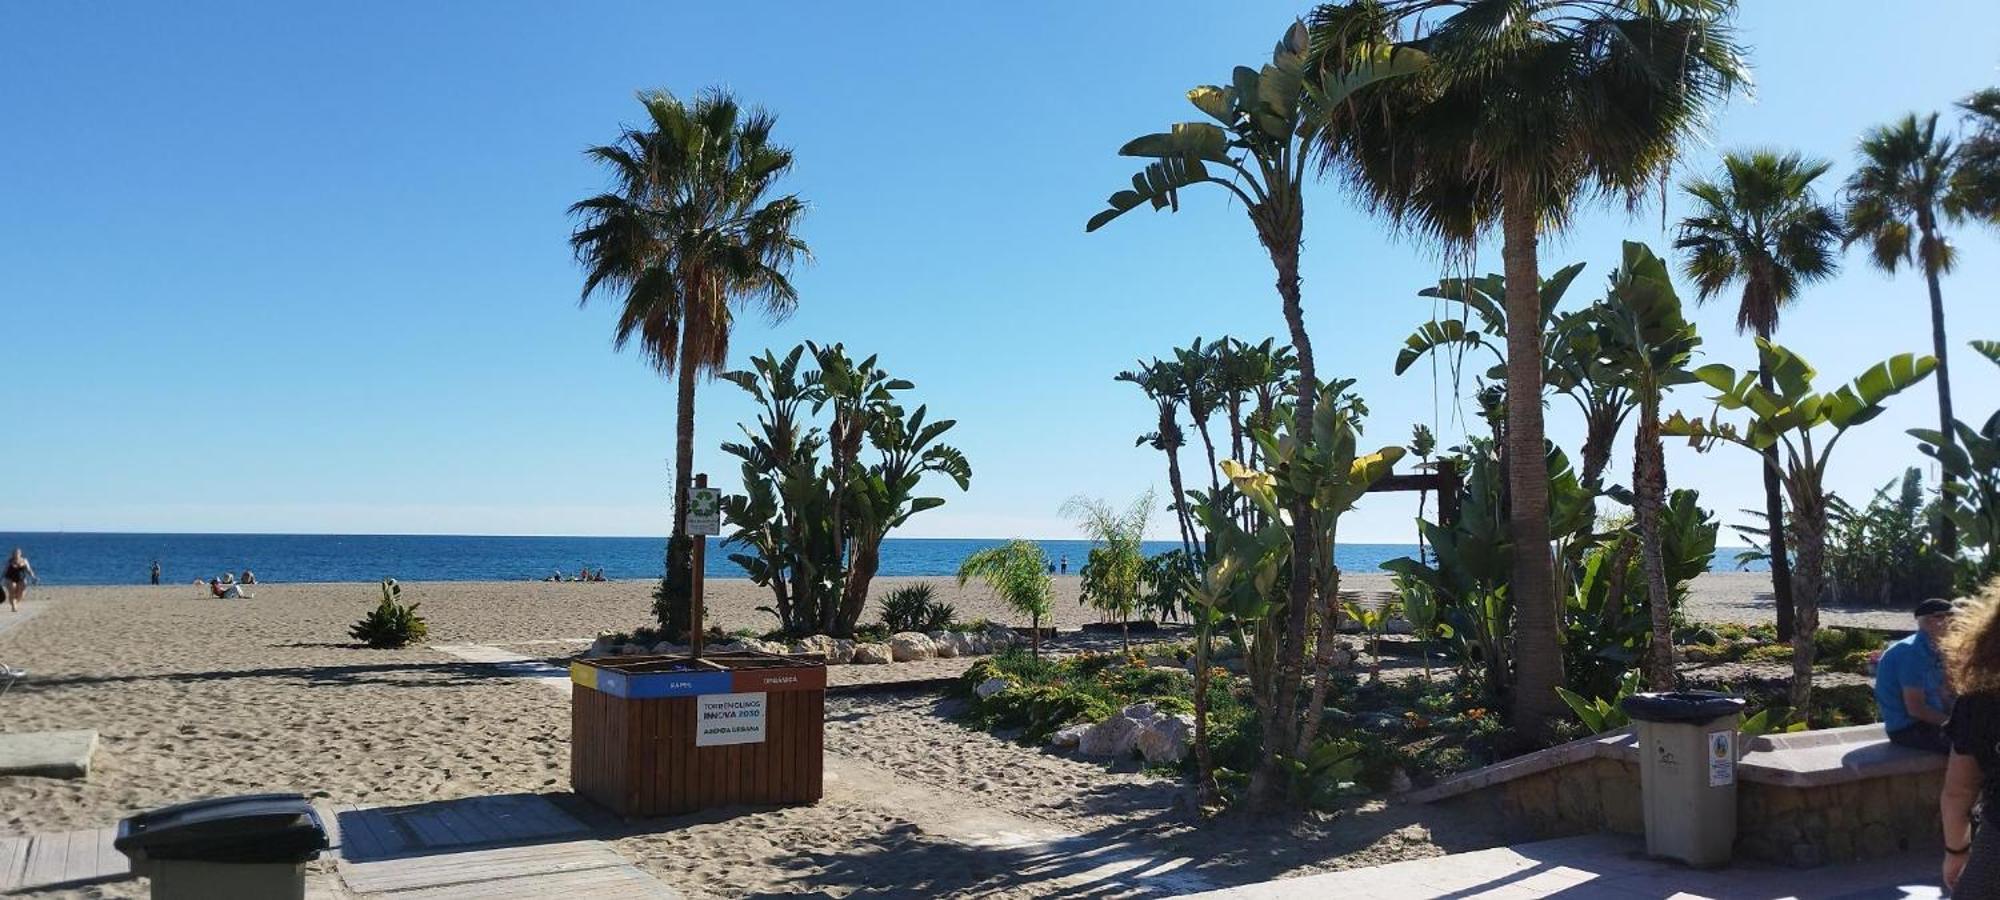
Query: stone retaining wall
[
  {"x": 1586, "y": 797},
  {"x": 1865, "y": 819}
]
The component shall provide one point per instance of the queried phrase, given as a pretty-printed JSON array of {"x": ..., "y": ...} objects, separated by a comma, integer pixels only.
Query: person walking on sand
[
  {"x": 1972, "y": 773},
  {"x": 156, "y": 571},
  {"x": 16, "y": 577},
  {"x": 1065, "y": 564}
]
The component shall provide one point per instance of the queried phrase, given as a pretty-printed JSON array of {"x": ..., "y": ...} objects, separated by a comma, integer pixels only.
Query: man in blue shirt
[{"x": 1910, "y": 686}]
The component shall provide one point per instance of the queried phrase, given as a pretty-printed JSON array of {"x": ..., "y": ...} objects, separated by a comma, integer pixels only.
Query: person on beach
[
  {"x": 156, "y": 571},
  {"x": 1972, "y": 774},
  {"x": 1065, "y": 564},
  {"x": 1910, "y": 686},
  {"x": 16, "y": 578},
  {"x": 249, "y": 577}
]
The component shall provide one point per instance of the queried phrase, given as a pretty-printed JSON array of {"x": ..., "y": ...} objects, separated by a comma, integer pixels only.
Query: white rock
[
  {"x": 1341, "y": 657},
  {"x": 1143, "y": 713},
  {"x": 872, "y": 654},
  {"x": 842, "y": 652},
  {"x": 1068, "y": 738},
  {"x": 909, "y": 646},
  {"x": 1166, "y": 739},
  {"x": 1000, "y": 637},
  {"x": 990, "y": 686},
  {"x": 818, "y": 643},
  {"x": 1399, "y": 782},
  {"x": 1115, "y": 737},
  {"x": 728, "y": 646},
  {"x": 668, "y": 648},
  {"x": 974, "y": 644},
  {"x": 945, "y": 647},
  {"x": 1399, "y": 625}
]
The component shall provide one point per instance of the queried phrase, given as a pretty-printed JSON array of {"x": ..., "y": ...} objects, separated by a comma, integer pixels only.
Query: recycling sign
[{"x": 704, "y": 511}]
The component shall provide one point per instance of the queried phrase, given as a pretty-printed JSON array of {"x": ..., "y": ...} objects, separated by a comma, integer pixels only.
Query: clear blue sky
[{"x": 272, "y": 267}]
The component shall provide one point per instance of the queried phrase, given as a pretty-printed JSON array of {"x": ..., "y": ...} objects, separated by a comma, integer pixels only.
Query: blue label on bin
[
  {"x": 651, "y": 685},
  {"x": 611, "y": 681}
]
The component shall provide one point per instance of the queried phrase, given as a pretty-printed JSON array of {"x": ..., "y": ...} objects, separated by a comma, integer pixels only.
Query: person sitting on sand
[
  {"x": 215, "y": 586},
  {"x": 1910, "y": 685},
  {"x": 249, "y": 577},
  {"x": 16, "y": 578}
]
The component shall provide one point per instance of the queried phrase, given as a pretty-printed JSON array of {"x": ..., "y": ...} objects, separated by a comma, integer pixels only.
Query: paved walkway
[{"x": 1592, "y": 866}]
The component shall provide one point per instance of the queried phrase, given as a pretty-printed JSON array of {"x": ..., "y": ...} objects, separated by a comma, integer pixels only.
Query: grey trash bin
[
  {"x": 252, "y": 847},
  {"x": 1687, "y": 773}
]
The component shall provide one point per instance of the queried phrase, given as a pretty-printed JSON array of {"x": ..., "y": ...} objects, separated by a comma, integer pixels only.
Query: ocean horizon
[{"x": 112, "y": 558}]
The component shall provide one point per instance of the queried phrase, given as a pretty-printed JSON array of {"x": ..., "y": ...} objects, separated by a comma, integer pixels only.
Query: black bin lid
[
  {"x": 1684, "y": 707},
  {"x": 256, "y": 828}
]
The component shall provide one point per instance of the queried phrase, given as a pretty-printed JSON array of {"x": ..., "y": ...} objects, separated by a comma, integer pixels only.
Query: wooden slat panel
[
  {"x": 48, "y": 855},
  {"x": 13, "y": 861},
  {"x": 479, "y": 865}
]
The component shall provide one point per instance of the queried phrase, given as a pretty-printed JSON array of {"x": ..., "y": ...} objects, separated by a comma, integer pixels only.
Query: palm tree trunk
[
  {"x": 1947, "y": 530},
  {"x": 1809, "y": 516},
  {"x": 1267, "y": 783},
  {"x": 1181, "y": 515},
  {"x": 1204, "y": 761},
  {"x": 1538, "y": 648},
  {"x": 853, "y": 600},
  {"x": 1649, "y": 489},
  {"x": 1322, "y": 664},
  {"x": 683, "y": 481},
  {"x": 1774, "y": 518}
]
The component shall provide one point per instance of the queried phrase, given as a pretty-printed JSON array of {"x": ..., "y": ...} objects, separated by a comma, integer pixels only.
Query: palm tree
[
  {"x": 1162, "y": 383},
  {"x": 1894, "y": 200},
  {"x": 1976, "y": 187},
  {"x": 1762, "y": 225},
  {"x": 686, "y": 233},
  {"x": 1526, "y": 107},
  {"x": 1257, "y": 138},
  {"x": 1018, "y": 573}
]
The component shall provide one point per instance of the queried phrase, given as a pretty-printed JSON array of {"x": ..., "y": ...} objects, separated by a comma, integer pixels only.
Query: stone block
[{"x": 47, "y": 754}]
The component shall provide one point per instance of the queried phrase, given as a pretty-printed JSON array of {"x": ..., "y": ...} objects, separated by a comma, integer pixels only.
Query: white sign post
[
  {"x": 721, "y": 719},
  {"x": 704, "y": 511}
]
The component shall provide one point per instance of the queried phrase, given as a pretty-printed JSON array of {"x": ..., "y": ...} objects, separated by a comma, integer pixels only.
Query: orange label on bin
[{"x": 812, "y": 678}]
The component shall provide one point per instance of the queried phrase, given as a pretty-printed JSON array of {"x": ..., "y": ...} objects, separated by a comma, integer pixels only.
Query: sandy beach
[{"x": 196, "y": 697}]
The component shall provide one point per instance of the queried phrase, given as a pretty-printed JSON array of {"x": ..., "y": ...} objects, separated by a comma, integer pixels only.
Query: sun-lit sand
[{"x": 197, "y": 697}]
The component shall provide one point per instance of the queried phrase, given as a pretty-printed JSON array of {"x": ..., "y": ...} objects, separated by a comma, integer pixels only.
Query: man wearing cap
[{"x": 1910, "y": 686}]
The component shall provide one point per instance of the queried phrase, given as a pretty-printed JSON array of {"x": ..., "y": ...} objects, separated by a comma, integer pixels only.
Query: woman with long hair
[{"x": 1972, "y": 665}]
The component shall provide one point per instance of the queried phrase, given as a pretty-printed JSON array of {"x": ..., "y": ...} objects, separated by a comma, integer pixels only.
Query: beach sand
[{"x": 196, "y": 697}]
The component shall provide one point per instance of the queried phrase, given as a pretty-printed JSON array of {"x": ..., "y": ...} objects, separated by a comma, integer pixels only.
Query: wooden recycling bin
[{"x": 662, "y": 735}]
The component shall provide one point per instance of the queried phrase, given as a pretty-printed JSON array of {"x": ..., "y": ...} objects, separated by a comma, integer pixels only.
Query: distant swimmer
[{"x": 17, "y": 575}]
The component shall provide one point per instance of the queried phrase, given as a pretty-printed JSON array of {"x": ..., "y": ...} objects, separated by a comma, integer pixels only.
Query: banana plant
[
  {"x": 1374, "y": 622},
  {"x": 1420, "y": 609},
  {"x": 1789, "y": 416},
  {"x": 1972, "y": 493},
  {"x": 1571, "y": 363},
  {"x": 1647, "y": 342},
  {"x": 1322, "y": 472}
]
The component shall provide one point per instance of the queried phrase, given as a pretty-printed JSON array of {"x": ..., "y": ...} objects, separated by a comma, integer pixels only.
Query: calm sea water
[{"x": 92, "y": 558}]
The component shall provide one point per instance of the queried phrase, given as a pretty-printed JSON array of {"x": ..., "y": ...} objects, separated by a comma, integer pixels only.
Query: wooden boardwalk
[
  {"x": 500, "y": 847},
  {"x": 60, "y": 858}
]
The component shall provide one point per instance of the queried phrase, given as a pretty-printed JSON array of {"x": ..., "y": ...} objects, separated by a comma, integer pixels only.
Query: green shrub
[
  {"x": 1834, "y": 643},
  {"x": 1768, "y": 653},
  {"x": 1858, "y": 662},
  {"x": 391, "y": 623},
  {"x": 915, "y": 607}
]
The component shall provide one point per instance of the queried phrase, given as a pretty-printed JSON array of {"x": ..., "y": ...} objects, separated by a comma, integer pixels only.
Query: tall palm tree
[
  {"x": 1164, "y": 386},
  {"x": 1894, "y": 201},
  {"x": 1526, "y": 108},
  {"x": 687, "y": 233},
  {"x": 1762, "y": 224},
  {"x": 1976, "y": 187}
]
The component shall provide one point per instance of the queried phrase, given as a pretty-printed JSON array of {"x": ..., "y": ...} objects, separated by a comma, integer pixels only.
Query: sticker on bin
[
  {"x": 652, "y": 685},
  {"x": 1721, "y": 758},
  {"x": 721, "y": 719},
  {"x": 811, "y": 678}
]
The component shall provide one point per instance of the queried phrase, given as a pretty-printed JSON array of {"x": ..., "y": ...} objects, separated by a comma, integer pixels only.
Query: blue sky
[{"x": 271, "y": 267}]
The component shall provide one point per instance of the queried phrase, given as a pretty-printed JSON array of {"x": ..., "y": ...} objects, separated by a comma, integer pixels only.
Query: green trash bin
[{"x": 1687, "y": 773}]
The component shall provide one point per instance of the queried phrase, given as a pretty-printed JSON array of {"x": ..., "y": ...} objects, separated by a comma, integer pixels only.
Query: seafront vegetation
[
  {"x": 835, "y": 461},
  {"x": 1548, "y": 584}
]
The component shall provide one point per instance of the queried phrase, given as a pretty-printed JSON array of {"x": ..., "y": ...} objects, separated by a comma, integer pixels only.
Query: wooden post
[{"x": 696, "y": 553}]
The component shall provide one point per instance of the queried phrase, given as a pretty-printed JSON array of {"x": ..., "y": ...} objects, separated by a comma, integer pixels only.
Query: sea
[{"x": 99, "y": 558}]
